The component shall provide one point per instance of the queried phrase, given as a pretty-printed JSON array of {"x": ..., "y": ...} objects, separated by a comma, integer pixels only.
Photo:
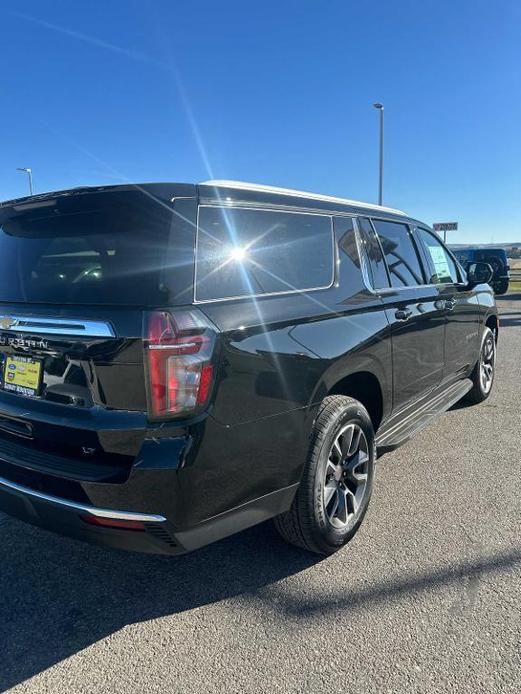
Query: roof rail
[{"x": 241, "y": 185}]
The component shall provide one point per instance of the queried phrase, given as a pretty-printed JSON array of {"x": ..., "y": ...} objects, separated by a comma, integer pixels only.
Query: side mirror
[{"x": 479, "y": 273}]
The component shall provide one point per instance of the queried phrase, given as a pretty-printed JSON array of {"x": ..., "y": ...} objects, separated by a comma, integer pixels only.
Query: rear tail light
[{"x": 179, "y": 349}]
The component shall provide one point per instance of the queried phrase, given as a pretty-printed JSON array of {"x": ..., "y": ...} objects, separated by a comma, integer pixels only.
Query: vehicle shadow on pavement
[
  {"x": 509, "y": 310},
  {"x": 505, "y": 298},
  {"x": 509, "y": 318},
  {"x": 384, "y": 593},
  {"x": 60, "y": 596}
]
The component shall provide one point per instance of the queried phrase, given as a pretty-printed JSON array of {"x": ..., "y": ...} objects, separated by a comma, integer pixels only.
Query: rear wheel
[
  {"x": 484, "y": 371},
  {"x": 336, "y": 486},
  {"x": 501, "y": 287}
]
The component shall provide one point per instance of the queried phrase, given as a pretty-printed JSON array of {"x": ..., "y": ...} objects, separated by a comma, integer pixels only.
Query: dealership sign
[{"x": 445, "y": 226}]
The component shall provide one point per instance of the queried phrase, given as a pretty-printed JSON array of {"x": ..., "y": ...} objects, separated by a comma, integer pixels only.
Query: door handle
[
  {"x": 450, "y": 304},
  {"x": 403, "y": 314}
]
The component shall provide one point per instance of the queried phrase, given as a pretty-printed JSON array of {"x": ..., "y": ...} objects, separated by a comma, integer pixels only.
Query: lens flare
[{"x": 238, "y": 254}]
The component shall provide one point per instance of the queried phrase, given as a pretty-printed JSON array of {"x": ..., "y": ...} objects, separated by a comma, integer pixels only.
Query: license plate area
[{"x": 22, "y": 375}]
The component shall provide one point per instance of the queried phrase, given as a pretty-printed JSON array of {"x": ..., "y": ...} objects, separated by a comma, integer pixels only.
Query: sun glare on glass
[{"x": 238, "y": 254}]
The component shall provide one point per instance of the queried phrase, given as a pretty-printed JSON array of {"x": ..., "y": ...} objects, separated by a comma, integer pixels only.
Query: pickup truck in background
[{"x": 495, "y": 257}]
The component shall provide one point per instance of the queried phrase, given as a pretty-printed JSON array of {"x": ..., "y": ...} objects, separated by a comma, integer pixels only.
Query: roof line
[{"x": 241, "y": 185}]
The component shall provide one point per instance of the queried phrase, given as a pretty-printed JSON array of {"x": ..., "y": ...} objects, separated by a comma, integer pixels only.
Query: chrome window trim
[
  {"x": 47, "y": 325},
  {"x": 7, "y": 485},
  {"x": 260, "y": 188},
  {"x": 207, "y": 201},
  {"x": 264, "y": 294},
  {"x": 182, "y": 197}
]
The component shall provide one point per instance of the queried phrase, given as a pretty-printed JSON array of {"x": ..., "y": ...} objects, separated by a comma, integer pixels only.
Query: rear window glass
[
  {"x": 108, "y": 248},
  {"x": 244, "y": 252},
  {"x": 374, "y": 255}
]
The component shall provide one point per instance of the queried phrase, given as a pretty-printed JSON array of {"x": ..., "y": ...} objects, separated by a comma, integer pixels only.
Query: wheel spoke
[
  {"x": 346, "y": 438},
  {"x": 334, "y": 508},
  {"x": 356, "y": 462},
  {"x": 356, "y": 503},
  {"x": 350, "y": 503},
  {"x": 343, "y": 510},
  {"x": 487, "y": 364},
  {"x": 331, "y": 467},
  {"x": 355, "y": 441},
  {"x": 329, "y": 491},
  {"x": 337, "y": 449},
  {"x": 488, "y": 350}
]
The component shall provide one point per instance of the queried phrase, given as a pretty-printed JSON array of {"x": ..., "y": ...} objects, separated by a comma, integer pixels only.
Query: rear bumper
[
  {"x": 69, "y": 518},
  {"x": 188, "y": 486},
  {"x": 156, "y": 536}
]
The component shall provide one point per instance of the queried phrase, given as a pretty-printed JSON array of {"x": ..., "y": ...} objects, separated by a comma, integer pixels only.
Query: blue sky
[{"x": 272, "y": 92}]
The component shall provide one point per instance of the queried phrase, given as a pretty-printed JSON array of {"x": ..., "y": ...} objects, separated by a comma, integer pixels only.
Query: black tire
[
  {"x": 310, "y": 522},
  {"x": 481, "y": 386},
  {"x": 501, "y": 287}
]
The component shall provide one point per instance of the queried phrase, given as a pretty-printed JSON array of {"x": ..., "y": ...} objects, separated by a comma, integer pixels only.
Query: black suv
[{"x": 180, "y": 362}]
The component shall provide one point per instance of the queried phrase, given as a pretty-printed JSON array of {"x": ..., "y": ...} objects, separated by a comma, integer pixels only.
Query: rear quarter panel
[{"x": 280, "y": 356}]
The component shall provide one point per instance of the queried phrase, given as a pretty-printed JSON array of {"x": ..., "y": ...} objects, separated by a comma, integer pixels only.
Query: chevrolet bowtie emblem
[{"x": 6, "y": 322}]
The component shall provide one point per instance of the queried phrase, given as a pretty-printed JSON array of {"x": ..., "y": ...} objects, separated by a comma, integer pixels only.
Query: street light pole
[
  {"x": 380, "y": 107},
  {"x": 29, "y": 173}
]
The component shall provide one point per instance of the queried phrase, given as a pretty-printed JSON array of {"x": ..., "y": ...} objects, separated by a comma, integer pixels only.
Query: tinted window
[
  {"x": 462, "y": 256},
  {"x": 400, "y": 254},
  {"x": 442, "y": 268},
  {"x": 374, "y": 255},
  {"x": 242, "y": 252},
  {"x": 350, "y": 269},
  {"x": 107, "y": 248}
]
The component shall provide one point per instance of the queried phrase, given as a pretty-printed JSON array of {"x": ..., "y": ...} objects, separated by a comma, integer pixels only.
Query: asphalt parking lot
[{"x": 425, "y": 599}]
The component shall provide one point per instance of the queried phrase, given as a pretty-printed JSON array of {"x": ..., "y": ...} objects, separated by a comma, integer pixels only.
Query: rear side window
[
  {"x": 442, "y": 268},
  {"x": 400, "y": 254},
  {"x": 350, "y": 267},
  {"x": 374, "y": 255},
  {"x": 93, "y": 248},
  {"x": 244, "y": 252}
]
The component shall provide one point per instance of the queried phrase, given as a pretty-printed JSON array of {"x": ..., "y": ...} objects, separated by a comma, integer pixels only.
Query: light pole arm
[{"x": 29, "y": 172}]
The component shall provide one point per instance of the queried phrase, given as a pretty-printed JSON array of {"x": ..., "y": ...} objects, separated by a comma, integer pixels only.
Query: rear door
[
  {"x": 461, "y": 305},
  {"x": 413, "y": 308}
]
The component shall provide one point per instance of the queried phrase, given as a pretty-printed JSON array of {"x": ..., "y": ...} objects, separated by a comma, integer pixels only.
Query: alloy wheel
[
  {"x": 345, "y": 480},
  {"x": 487, "y": 363}
]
